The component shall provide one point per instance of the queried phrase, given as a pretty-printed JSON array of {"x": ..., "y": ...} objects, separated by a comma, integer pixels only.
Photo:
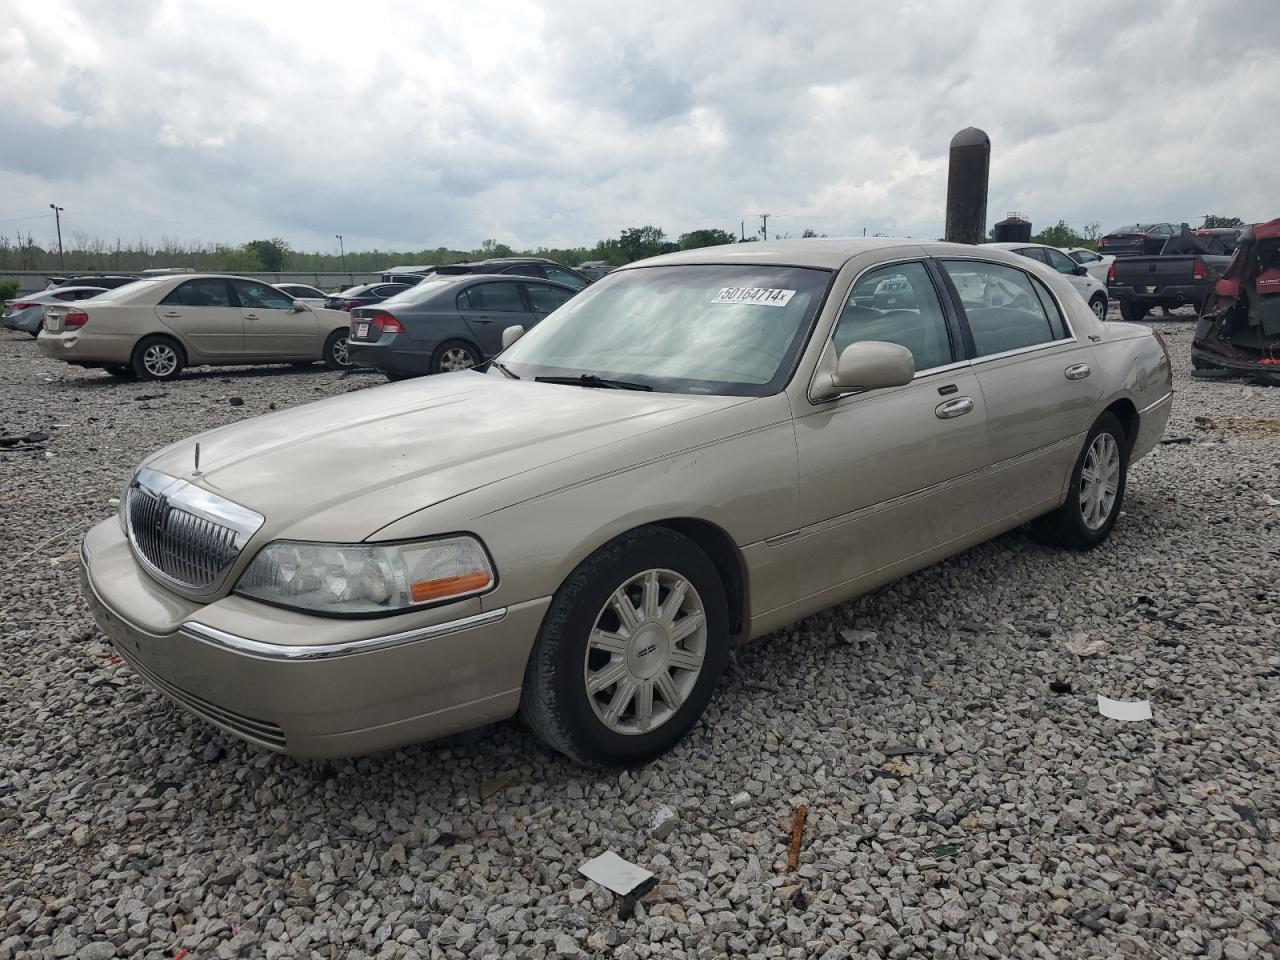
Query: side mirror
[
  {"x": 1080, "y": 270},
  {"x": 511, "y": 335},
  {"x": 299, "y": 306},
  {"x": 868, "y": 365}
]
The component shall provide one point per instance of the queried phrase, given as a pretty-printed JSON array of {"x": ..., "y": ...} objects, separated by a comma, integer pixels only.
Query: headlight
[{"x": 361, "y": 579}]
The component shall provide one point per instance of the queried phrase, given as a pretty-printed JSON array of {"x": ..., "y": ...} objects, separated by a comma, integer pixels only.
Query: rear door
[
  {"x": 1036, "y": 379},
  {"x": 272, "y": 327},
  {"x": 204, "y": 314},
  {"x": 489, "y": 307}
]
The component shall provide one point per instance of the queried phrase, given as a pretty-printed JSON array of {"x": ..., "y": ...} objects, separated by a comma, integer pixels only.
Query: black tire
[
  {"x": 157, "y": 358},
  {"x": 1132, "y": 311},
  {"x": 1066, "y": 527},
  {"x": 335, "y": 351},
  {"x": 121, "y": 373},
  {"x": 555, "y": 703},
  {"x": 397, "y": 377},
  {"x": 1099, "y": 306},
  {"x": 302, "y": 364},
  {"x": 442, "y": 359}
]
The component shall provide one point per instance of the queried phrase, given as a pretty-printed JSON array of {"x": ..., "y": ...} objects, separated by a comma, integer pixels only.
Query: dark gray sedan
[
  {"x": 448, "y": 323},
  {"x": 27, "y": 313}
]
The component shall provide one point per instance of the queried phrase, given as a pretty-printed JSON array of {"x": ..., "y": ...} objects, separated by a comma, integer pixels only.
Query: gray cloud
[{"x": 562, "y": 123}]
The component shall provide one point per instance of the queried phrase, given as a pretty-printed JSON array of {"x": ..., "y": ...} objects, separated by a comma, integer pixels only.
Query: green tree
[
  {"x": 636, "y": 243},
  {"x": 710, "y": 237},
  {"x": 1214, "y": 220},
  {"x": 1059, "y": 235},
  {"x": 237, "y": 260},
  {"x": 810, "y": 234},
  {"x": 272, "y": 254}
]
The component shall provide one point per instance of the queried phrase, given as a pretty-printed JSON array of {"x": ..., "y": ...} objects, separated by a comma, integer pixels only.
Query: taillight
[
  {"x": 22, "y": 305},
  {"x": 74, "y": 320},
  {"x": 348, "y": 304},
  {"x": 1111, "y": 272},
  {"x": 386, "y": 323},
  {"x": 1198, "y": 271}
]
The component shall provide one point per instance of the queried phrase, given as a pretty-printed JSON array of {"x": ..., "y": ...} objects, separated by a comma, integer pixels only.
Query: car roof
[{"x": 823, "y": 253}]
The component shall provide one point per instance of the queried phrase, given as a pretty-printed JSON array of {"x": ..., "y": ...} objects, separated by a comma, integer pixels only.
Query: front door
[
  {"x": 205, "y": 317},
  {"x": 886, "y": 475},
  {"x": 489, "y": 308},
  {"x": 272, "y": 327},
  {"x": 1067, "y": 267},
  {"x": 544, "y": 297},
  {"x": 1035, "y": 375}
]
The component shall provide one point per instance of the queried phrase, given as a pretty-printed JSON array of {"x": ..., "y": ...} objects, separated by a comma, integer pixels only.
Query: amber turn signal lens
[{"x": 449, "y": 586}]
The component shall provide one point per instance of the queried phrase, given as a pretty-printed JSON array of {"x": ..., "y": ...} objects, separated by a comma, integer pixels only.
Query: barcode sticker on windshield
[{"x": 761, "y": 296}]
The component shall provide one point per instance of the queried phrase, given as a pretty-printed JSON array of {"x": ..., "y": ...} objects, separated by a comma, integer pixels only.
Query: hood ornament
[{"x": 196, "y": 471}]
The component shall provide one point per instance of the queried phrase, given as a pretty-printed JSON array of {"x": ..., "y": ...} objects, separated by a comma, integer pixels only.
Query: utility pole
[
  {"x": 342, "y": 252},
  {"x": 742, "y": 225},
  {"x": 57, "y": 218},
  {"x": 764, "y": 225}
]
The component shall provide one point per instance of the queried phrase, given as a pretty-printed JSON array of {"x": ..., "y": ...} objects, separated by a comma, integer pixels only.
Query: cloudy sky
[{"x": 412, "y": 125}]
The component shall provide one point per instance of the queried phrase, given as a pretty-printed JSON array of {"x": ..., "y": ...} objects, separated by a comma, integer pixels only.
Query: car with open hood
[{"x": 694, "y": 451}]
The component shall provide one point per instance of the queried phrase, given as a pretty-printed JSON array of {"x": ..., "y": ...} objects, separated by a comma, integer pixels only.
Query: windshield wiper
[
  {"x": 503, "y": 368},
  {"x": 591, "y": 380}
]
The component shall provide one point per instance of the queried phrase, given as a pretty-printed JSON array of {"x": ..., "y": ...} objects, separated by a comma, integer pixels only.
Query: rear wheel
[
  {"x": 629, "y": 652},
  {"x": 1132, "y": 310},
  {"x": 454, "y": 355},
  {"x": 335, "y": 351},
  {"x": 157, "y": 358},
  {"x": 1099, "y": 307},
  {"x": 1096, "y": 492}
]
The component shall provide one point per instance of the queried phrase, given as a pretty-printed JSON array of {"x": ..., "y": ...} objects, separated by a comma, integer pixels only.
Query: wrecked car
[{"x": 1239, "y": 327}]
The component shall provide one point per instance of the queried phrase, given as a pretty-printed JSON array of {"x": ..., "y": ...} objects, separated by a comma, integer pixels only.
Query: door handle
[
  {"x": 172, "y": 313},
  {"x": 953, "y": 408},
  {"x": 1077, "y": 371},
  {"x": 483, "y": 319}
]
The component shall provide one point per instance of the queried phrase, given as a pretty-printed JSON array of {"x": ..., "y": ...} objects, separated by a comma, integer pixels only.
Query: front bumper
[{"x": 368, "y": 685}]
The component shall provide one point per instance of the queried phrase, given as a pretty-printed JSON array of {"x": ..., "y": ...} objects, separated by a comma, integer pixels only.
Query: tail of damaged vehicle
[
  {"x": 1239, "y": 327},
  {"x": 691, "y": 453}
]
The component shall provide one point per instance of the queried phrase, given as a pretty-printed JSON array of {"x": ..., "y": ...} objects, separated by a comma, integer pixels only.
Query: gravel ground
[{"x": 957, "y": 806}]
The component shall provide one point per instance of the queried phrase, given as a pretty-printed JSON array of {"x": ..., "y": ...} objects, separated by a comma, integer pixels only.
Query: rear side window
[
  {"x": 1034, "y": 253},
  {"x": 897, "y": 304},
  {"x": 1002, "y": 306},
  {"x": 497, "y": 297},
  {"x": 526, "y": 270},
  {"x": 207, "y": 292}
]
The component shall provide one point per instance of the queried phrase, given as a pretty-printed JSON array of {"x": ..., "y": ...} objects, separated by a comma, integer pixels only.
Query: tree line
[{"x": 83, "y": 253}]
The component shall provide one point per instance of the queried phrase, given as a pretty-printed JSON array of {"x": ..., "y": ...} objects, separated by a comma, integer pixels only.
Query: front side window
[
  {"x": 1060, "y": 262},
  {"x": 897, "y": 304},
  {"x": 1001, "y": 305},
  {"x": 206, "y": 292},
  {"x": 494, "y": 297},
  {"x": 261, "y": 296},
  {"x": 720, "y": 329},
  {"x": 545, "y": 298}
]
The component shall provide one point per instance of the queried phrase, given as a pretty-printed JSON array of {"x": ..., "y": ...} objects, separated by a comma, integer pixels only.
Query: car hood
[{"x": 341, "y": 469}]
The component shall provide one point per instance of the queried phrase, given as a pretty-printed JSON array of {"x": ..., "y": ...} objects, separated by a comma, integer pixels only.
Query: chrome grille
[{"x": 185, "y": 533}]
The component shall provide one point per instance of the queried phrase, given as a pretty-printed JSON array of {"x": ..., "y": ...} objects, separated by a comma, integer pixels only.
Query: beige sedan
[
  {"x": 152, "y": 329},
  {"x": 696, "y": 450}
]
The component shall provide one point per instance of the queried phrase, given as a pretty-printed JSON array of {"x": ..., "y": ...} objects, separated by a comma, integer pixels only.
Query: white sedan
[
  {"x": 304, "y": 292},
  {"x": 1092, "y": 291},
  {"x": 1096, "y": 263}
]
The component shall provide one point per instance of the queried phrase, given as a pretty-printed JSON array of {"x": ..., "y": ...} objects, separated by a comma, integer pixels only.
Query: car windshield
[
  {"x": 418, "y": 293},
  {"x": 680, "y": 329}
]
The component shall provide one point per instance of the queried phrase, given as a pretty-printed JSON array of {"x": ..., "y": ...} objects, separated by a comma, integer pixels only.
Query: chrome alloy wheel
[
  {"x": 160, "y": 360},
  {"x": 645, "y": 652},
  {"x": 454, "y": 359},
  {"x": 1099, "y": 481},
  {"x": 1099, "y": 308},
  {"x": 340, "y": 355}
]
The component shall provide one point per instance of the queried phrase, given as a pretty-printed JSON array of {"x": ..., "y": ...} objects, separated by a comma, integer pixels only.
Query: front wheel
[
  {"x": 336, "y": 356},
  {"x": 1096, "y": 491},
  {"x": 629, "y": 652},
  {"x": 1099, "y": 307},
  {"x": 157, "y": 358}
]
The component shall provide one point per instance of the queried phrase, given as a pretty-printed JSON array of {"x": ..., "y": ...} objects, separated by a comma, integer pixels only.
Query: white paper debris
[
  {"x": 610, "y": 870},
  {"x": 1124, "y": 709},
  {"x": 1270, "y": 501},
  {"x": 1082, "y": 646}
]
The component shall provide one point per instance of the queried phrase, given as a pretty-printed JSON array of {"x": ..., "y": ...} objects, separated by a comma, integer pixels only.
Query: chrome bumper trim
[
  {"x": 1152, "y": 406},
  {"x": 283, "y": 651}
]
